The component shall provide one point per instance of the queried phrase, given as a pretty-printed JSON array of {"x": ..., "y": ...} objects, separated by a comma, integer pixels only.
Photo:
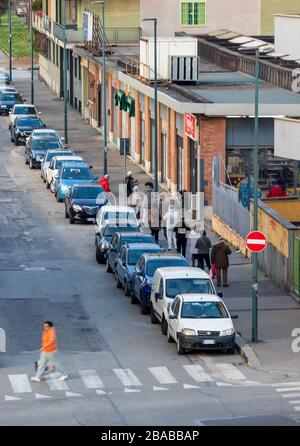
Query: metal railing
[
  {"x": 133, "y": 67},
  {"x": 117, "y": 36},
  {"x": 72, "y": 35},
  {"x": 48, "y": 24}
]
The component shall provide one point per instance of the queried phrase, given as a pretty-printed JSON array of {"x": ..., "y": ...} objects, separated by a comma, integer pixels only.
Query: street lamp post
[
  {"x": 154, "y": 20},
  {"x": 65, "y": 77},
  {"x": 31, "y": 52},
  {"x": 9, "y": 40},
  {"x": 255, "y": 203}
]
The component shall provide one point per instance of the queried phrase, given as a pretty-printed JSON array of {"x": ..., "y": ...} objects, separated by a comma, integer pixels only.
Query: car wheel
[
  {"x": 66, "y": 213},
  {"x": 72, "y": 221},
  {"x": 169, "y": 337},
  {"x": 180, "y": 349},
  {"x": 108, "y": 268},
  {"x": 153, "y": 318},
  {"x": 99, "y": 258},
  {"x": 144, "y": 309},
  {"x": 133, "y": 299},
  {"x": 126, "y": 290},
  {"x": 11, "y": 138},
  {"x": 52, "y": 187},
  {"x": 164, "y": 326},
  {"x": 59, "y": 200},
  {"x": 231, "y": 350},
  {"x": 118, "y": 283},
  {"x": 26, "y": 160},
  {"x": 16, "y": 141},
  {"x": 31, "y": 166}
]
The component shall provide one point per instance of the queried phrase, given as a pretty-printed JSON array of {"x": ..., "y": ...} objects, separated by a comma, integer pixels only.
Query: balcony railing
[
  {"x": 48, "y": 24},
  {"x": 73, "y": 35},
  {"x": 37, "y": 21},
  {"x": 116, "y": 36}
]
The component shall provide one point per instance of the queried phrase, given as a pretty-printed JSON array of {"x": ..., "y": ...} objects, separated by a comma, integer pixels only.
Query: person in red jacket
[
  {"x": 104, "y": 182},
  {"x": 277, "y": 191}
]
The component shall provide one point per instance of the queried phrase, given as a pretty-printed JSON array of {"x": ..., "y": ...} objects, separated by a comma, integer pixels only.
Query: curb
[{"x": 247, "y": 352}]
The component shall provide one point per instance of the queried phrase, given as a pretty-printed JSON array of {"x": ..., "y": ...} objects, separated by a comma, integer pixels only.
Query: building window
[
  {"x": 79, "y": 68},
  {"x": 193, "y": 13},
  {"x": 57, "y": 63},
  {"x": 75, "y": 66}
]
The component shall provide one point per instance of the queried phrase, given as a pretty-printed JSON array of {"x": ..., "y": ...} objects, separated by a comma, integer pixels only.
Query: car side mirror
[
  {"x": 39, "y": 113},
  {"x": 220, "y": 294},
  {"x": 234, "y": 316},
  {"x": 56, "y": 177},
  {"x": 172, "y": 316},
  {"x": 44, "y": 125},
  {"x": 157, "y": 296},
  {"x": 62, "y": 138}
]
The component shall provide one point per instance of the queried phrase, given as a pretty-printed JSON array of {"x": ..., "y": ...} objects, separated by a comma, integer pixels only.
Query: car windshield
[
  {"x": 203, "y": 310},
  {"x": 90, "y": 193},
  {"x": 10, "y": 97},
  {"x": 60, "y": 162},
  {"x": 52, "y": 134},
  {"x": 52, "y": 155},
  {"x": 152, "y": 265},
  {"x": 134, "y": 255},
  {"x": 25, "y": 122},
  {"x": 188, "y": 286},
  {"x": 110, "y": 230},
  {"x": 45, "y": 144},
  {"x": 135, "y": 239},
  {"x": 115, "y": 215},
  {"x": 25, "y": 110},
  {"x": 76, "y": 173}
]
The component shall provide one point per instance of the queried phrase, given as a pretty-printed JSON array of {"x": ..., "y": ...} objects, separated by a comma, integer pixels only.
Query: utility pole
[
  {"x": 65, "y": 67},
  {"x": 104, "y": 93},
  {"x": 9, "y": 40},
  {"x": 31, "y": 52},
  {"x": 255, "y": 201}
]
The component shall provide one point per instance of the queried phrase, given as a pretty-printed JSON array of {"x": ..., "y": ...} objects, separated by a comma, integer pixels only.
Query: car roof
[
  {"x": 35, "y": 117},
  {"x": 74, "y": 165},
  {"x": 46, "y": 131},
  {"x": 171, "y": 272},
  {"x": 139, "y": 246},
  {"x": 82, "y": 186},
  {"x": 111, "y": 208},
  {"x": 24, "y": 105},
  {"x": 136, "y": 234},
  {"x": 70, "y": 157},
  {"x": 200, "y": 297},
  {"x": 44, "y": 138},
  {"x": 164, "y": 255}
]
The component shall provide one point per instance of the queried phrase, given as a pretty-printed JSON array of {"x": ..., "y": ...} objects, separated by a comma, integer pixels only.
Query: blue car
[
  {"x": 142, "y": 276},
  {"x": 125, "y": 264},
  {"x": 70, "y": 174},
  {"x": 7, "y": 100}
]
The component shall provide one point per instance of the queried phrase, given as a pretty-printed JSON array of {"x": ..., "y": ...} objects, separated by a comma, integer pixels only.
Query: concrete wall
[
  {"x": 287, "y": 35},
  {"x": 287, "y": 208},
  {"x": 287, "y": 137},
  {"x": 271, "y": 7},
  {"x": 118, "y": 13},
  {"x": 49, "y": 73},
  {"x": 228, "y": 234},
  {"x": 236, "y": 15}
]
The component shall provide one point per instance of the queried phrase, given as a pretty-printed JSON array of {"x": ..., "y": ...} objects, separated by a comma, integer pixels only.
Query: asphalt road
[{"x": 121, "y": 369}]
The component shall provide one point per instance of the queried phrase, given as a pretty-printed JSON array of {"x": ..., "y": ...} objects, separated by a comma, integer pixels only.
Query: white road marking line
[
  {"x": 231, "y": 372},
  {"x": 297, "y": 408},
  {"x": 295, "y": 383},
  {"x": 294, "y": 402},
  {"x": 155, "y": 388},
  {"x": 11, "y": 398},
  {"x": 131, "y": 390},
  {"x": 70, "y": 394},
  {"x": 219, "y": 384},
  {"x": 39, "y": 396},
  {"x": 54, "y": 384},
  {"x": 127, "y": 377},
  {"x": 163, "y": 375},
  {"x": 197, "y": 373},
  {"x": 291, "y": 395},
  {"x": 190, "y": 386},
  {"x": 91, "y": 379},
  {"x": 20, "y": 383},
  {"x": 288, "y": 389},
  {"x": 34, "y": 268},
  {"x": 100, "y": 392}
]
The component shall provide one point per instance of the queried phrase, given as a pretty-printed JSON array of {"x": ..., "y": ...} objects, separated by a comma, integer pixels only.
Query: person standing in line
[
  {"x": 170, "y": 219},
  {"x": 154, "y": 219},
  {"x": 182, "y": 232},
  {"x": 104, "y": 182},
  {"x": 203, "y": 246},
  {"x": 48, "y": 354},
  {"x": 130, "y": 182},
  {"x": 220, "y": 257},
  {"x": 135, "y": 200}
]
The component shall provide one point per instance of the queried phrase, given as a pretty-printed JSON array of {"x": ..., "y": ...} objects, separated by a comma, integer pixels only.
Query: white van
[
  {"x": 115, "y": 215},
  {"x": 168, "y": 283}
]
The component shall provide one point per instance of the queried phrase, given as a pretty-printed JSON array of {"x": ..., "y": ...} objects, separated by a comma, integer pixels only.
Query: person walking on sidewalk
[
  {"x": 104, "y": 182},
  {"x": 130, "y": 183},
  {"x": 48, "y": 354},
  {"x": 182, "y": 232},
  {"x": 169, "y": 221},
  {"x": 219, "y": 256},
  {"x": 203, "y": 246}
]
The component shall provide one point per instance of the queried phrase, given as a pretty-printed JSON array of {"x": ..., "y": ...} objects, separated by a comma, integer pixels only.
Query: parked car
[
  {"x": 144, "y": 271},
  {"x": 36, "y": 150},
  {"x": 168, "y": 283},
  {"x": 7, "y": 88},
  {"x": 129, "y": 256},
  {"x": 47, "y": 133},
  {"x": 23, "y": 126},
  {"x": 7, "y": 100},
  {"x": 83, "y": 202},
  {"x": 200, "y": 322},
  {"x": 70, "y": 174},
  {"x": 118, "y": 240},
  {"x": 22, "y": 110},
  {"x": 50, "y": 154},
  {"x": 115, "y": 215},
  {"x": 4, "y": 78},
  {"x": 103, "y": 239},
  {"x": 55, "y": 164}
]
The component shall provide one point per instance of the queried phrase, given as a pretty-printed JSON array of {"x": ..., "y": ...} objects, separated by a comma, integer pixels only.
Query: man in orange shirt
[{"x": 48, "y": 353}]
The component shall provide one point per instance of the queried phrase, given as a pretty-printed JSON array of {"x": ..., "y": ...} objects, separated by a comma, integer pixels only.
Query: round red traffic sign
[{"x": 256, "y": 241}]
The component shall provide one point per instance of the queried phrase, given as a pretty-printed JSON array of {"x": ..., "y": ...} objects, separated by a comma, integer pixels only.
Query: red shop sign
[{"x": 190, "y": 126}]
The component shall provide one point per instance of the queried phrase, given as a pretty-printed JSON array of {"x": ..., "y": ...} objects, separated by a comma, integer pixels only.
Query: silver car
[{"x": 51, "y": 153}]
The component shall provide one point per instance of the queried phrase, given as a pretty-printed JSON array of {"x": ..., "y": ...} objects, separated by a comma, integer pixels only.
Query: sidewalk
[{"x": 278, "y": 315}]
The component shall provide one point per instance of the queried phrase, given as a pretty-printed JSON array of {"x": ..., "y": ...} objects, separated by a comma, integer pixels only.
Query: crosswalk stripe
[
  {"x": 230, "y": 371},
  {"x": 297, "y": 408},
  {"x": 295, "y": 383},
  {"x": 288, "y": 389},
  {"x": 55, "y": 384},
  {"x": 291, "y": 395},
  {"x": 197, "y": 373},
  {"x": 11, "y": 398},
  {"x": 127, "y": 377},
  {"x": 163, "y": 375},
  {"x": 91, "y": 379},
  {"x": 20, "y": 383},
  {"x": 294, "y": 402},
  {"x": 39, "y": 396},
  {"x": 131, "y": 390}
]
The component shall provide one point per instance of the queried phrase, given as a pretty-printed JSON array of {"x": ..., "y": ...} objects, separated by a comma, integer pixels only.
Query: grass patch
[{"x": 20, "y": 37}]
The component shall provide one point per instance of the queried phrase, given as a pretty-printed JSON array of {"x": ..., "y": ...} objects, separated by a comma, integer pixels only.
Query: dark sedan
[
  {"x": 23, "y": 126},
  {"x": 37, "y": 148},
  {"x": 83, "y": 202},
  {"x": 8, "y": 100},
  {"x": 103, "y": 239}
]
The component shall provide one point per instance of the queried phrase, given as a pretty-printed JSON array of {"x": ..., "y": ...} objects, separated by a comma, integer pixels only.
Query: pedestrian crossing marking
[
  {"x": 91, "y": 379},
  {"x": 55, "y": 384},
  {"x": 11, "y": 398},
  {"x": 190, "y": 386},
  {"x": 197, "y": 373},
  {"x": 131, "y": 390},
  {"x": 231, "y": 372},
  {"x": 39, "y": 396},
  {"x": 294, "y": 402},
  {"x": 20, "y": 383},
  {"x": 100, "y": 392},
  {"x": 162, "y": 375},
  {"x": 127, "y": 377},
  {"x": 219, "y": 384},
  {"x": 288, "y": 389},
  {"x": 291, "y": 395},
  {"x": 71, "y": 394},
  {"x": 155, "y": 388},
  {"x": 295, "y": 383}
]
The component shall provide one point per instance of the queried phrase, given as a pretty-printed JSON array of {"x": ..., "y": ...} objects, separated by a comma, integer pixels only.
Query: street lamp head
[{"x": 149, "y": 19}]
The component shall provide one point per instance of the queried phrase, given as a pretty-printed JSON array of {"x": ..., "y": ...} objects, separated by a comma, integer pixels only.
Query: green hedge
[{"x": 20, "y": 36}]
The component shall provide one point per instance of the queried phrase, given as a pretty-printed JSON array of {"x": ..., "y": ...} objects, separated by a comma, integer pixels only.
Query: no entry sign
[{"x": 256, "y": 241}]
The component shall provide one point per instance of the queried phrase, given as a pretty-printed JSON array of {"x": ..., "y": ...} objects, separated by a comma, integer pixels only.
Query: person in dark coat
[
  {"x": 203, "y": 246},
  {"x": 219, "y": 256},
  {"x": 182, "y": 231},
  {"x": 130, "y": 183}
]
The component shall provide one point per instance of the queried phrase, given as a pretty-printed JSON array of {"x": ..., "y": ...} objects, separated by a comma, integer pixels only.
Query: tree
[{"x": 3, "y": 7}]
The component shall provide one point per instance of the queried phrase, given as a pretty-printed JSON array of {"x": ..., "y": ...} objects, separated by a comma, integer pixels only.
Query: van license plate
[{"x": 208, "y": 342}]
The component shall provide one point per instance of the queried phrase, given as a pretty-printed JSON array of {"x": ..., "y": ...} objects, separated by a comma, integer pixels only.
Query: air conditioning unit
[{"x": 184, "y": 68}]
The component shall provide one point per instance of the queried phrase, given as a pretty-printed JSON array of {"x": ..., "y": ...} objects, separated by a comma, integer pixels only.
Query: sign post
[{"x": 190, "y": 126}]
